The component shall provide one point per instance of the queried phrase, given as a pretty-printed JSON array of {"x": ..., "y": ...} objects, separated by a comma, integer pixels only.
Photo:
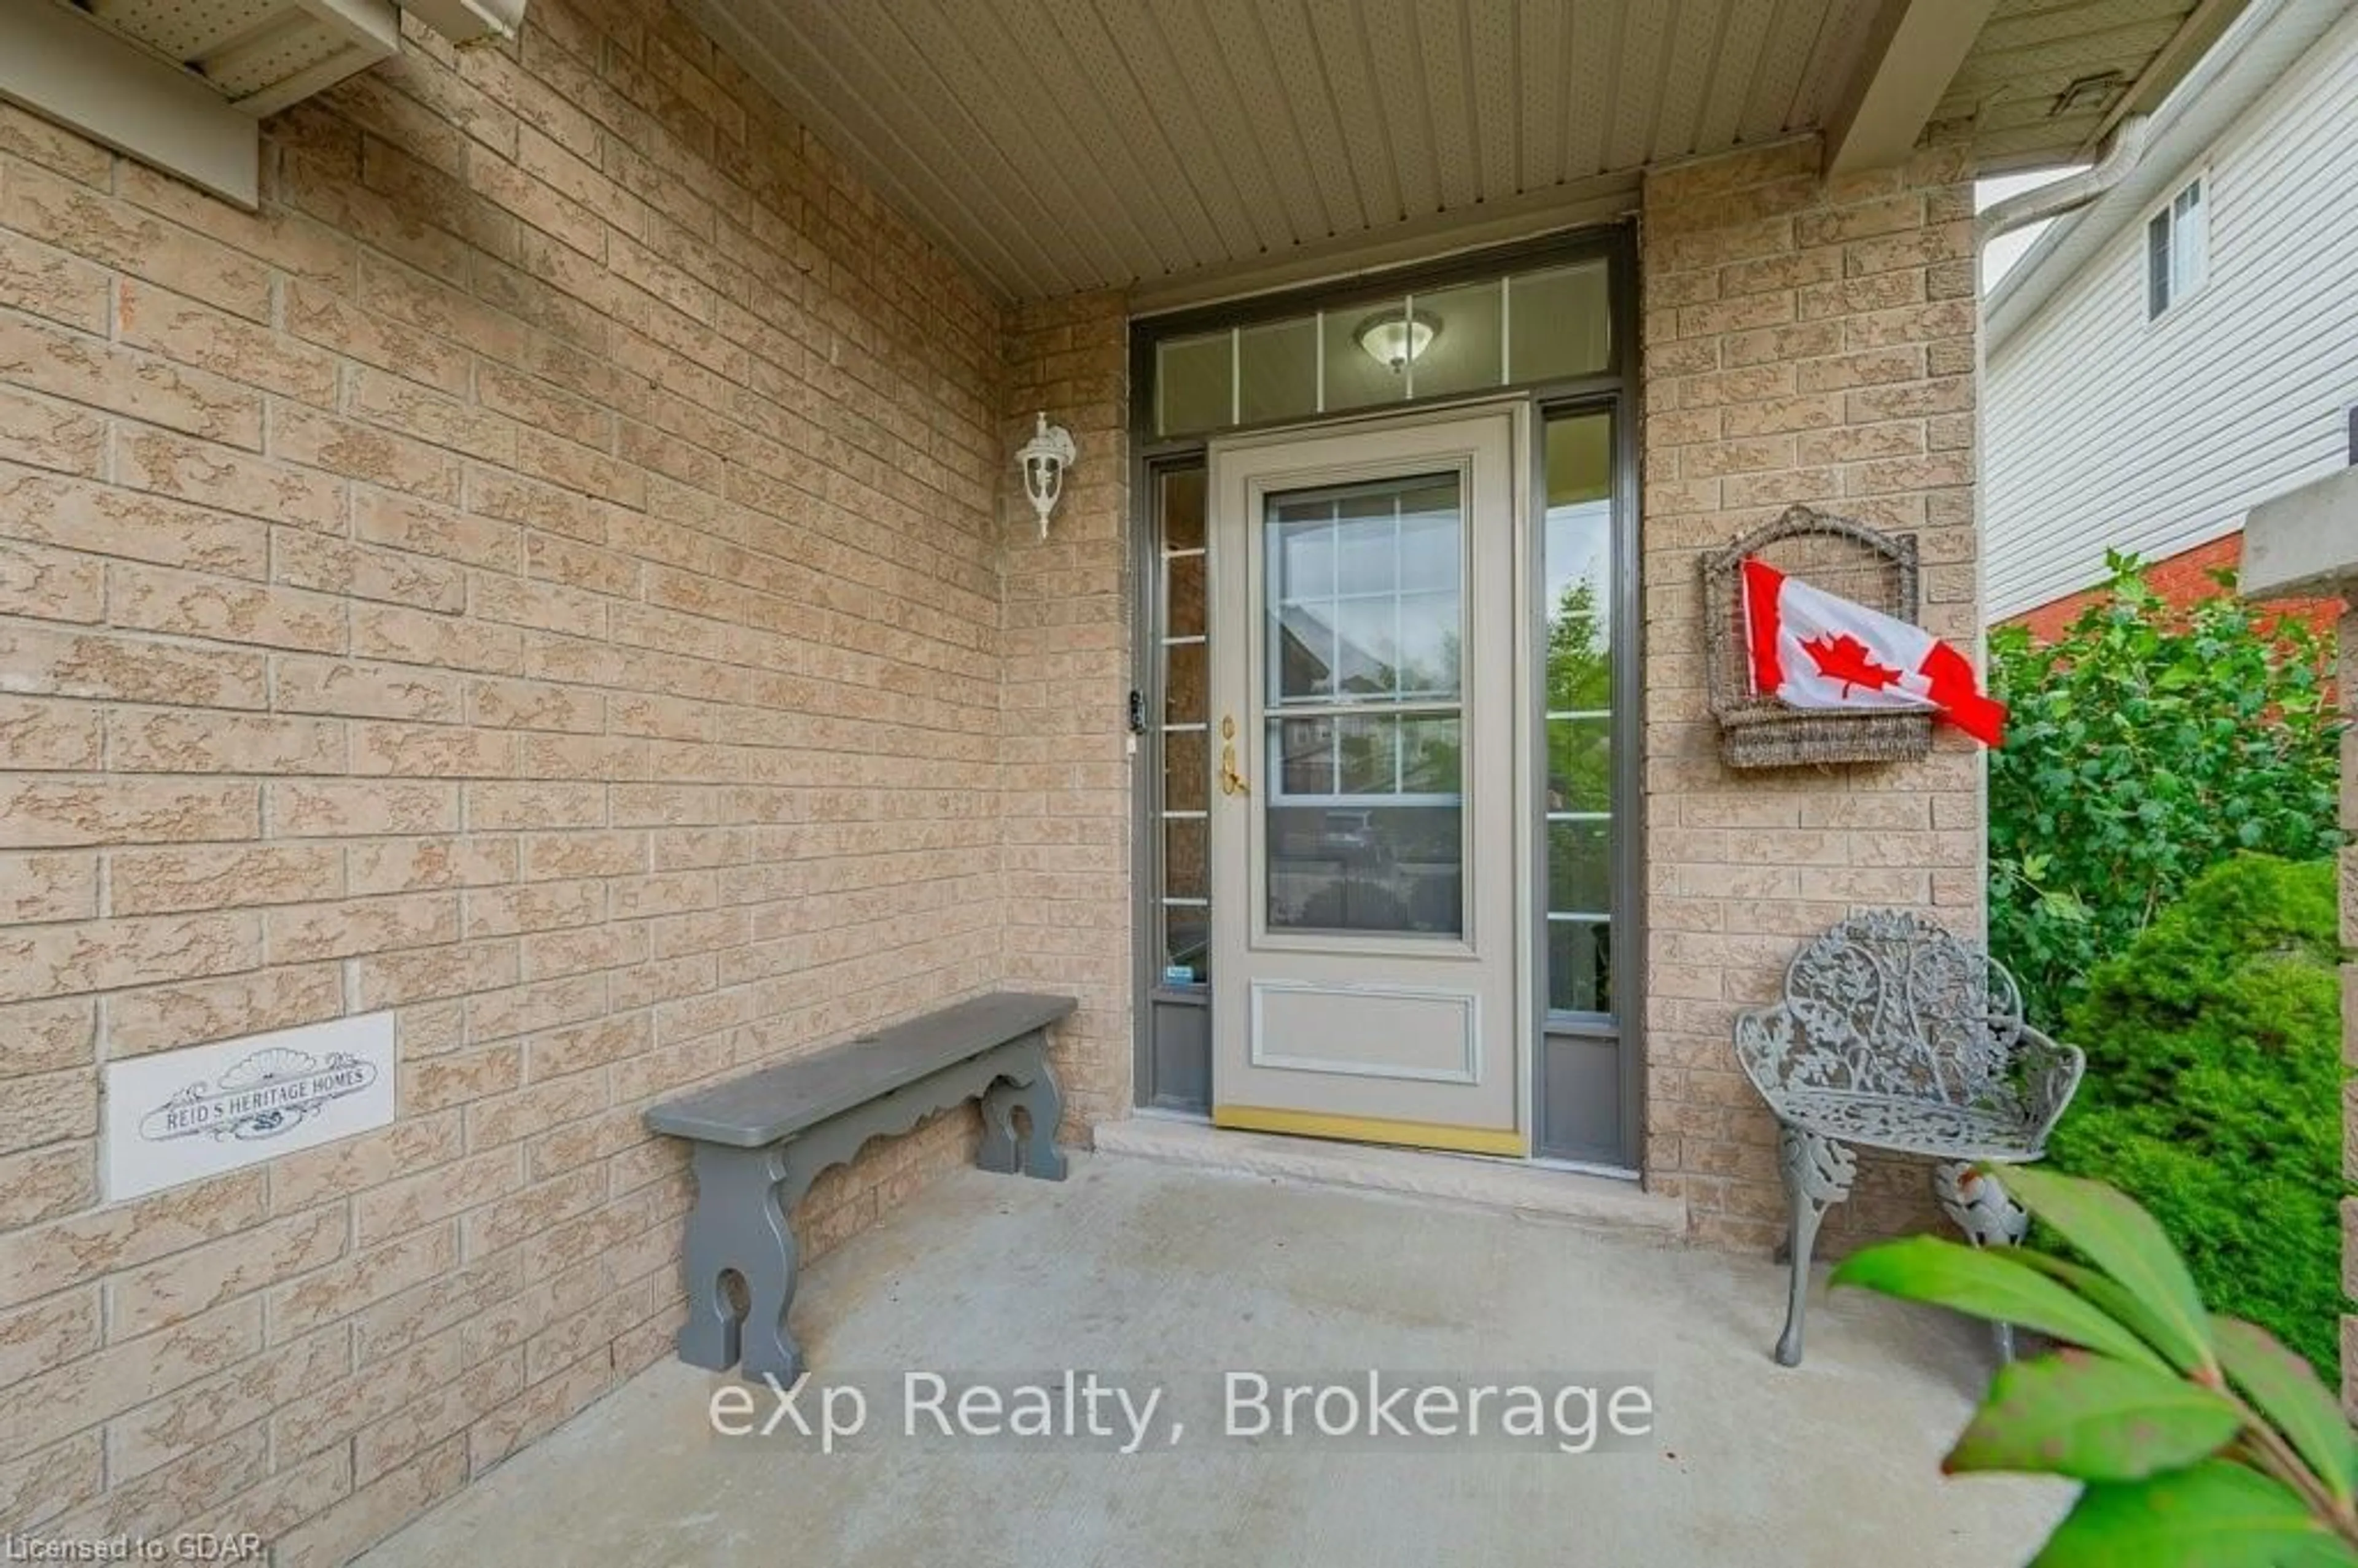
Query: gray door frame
[{"x": 1172, "y": 1015}]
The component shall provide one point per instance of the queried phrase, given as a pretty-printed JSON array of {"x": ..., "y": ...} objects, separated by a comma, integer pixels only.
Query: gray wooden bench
[{"x": 760, "y": 1140}]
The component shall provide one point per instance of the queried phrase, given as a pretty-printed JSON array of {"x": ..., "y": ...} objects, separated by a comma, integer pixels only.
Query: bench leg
[
  {"x": 1989, "y": 1217},
  {"x": 738, "y": 1225},
  {"x": 1818, "y": 1173},
  {"x": 1031, "y": 1086}
]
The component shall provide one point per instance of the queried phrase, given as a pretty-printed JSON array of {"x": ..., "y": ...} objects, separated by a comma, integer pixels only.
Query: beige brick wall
[
  {"x": 542, "y": 575},
  {"x": 1803, "y": 342},
  {"x": 1067, "y": 650}
]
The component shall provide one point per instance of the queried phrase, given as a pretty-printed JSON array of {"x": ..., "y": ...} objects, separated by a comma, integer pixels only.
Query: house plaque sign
[{"x": 178, "y": 1116}]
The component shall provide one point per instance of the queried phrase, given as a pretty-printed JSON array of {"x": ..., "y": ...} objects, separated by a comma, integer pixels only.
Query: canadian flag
[{"x": 1811, "y": 649}]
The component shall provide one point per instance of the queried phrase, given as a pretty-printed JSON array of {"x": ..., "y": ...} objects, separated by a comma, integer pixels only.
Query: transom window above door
[{"x": 1547, "y": 323}]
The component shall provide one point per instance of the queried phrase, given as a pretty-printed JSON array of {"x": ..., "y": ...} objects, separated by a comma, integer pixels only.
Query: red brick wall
[{"x": 2183, "y": 581}]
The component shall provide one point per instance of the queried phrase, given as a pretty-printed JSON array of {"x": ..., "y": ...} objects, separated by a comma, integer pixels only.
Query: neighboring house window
[{"x": 2177, "y": 249}]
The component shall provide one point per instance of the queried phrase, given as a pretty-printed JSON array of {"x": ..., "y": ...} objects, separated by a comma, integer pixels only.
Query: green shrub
[
  {"x": 2199, "y": 1442},
  {"x": 2213, "y": 1094},
  {"x": 2144, "y": 747}
]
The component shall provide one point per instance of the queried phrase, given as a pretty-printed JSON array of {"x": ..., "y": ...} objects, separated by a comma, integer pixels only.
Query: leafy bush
[
  {"x": 2212, "y": 1093},
  {"x": 2142, "y": 748},
  {"x": 2199, "y": 1442}
]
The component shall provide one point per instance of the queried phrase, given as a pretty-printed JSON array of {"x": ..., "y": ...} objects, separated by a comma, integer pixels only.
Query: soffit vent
[
  {"x": 262, "y": 55},
  {"x": 259, "y": 55},
  {"x": 179, "y": 83}
]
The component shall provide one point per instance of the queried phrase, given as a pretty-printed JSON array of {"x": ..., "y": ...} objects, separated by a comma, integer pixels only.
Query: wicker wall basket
[{"x": 1849, "y": 558}]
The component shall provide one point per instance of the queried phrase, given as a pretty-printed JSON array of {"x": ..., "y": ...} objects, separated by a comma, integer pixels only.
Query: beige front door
[{"x": 1364, "y": 842}]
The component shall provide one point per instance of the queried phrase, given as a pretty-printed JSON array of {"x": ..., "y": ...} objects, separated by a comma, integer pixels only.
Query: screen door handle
[{"x": 1231, "y": 781}]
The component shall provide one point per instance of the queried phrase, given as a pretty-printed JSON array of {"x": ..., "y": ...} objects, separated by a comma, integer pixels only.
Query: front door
[{"x": 1363, "y": 824}]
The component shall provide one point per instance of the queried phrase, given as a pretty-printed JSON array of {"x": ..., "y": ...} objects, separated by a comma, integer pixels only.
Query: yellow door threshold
[{"x": 1373, "y": 1129}]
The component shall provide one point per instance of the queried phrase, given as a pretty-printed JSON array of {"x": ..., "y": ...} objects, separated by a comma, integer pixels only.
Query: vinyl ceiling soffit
[
  {"x": 2048, "y": 80},
  {"x": 1060, "y": 146}
]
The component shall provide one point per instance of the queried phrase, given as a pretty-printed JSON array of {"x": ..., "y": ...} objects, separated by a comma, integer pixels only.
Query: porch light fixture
[
  {"x": 1044, "y": 460},
  {"x": 1393, "y": 339}
]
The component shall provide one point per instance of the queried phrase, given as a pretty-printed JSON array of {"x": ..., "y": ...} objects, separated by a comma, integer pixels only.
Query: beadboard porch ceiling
[{"x": 1190, "y": 147}]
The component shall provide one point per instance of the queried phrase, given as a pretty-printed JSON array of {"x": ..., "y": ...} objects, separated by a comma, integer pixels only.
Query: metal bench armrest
[{"x": 2051, "y": 1075}]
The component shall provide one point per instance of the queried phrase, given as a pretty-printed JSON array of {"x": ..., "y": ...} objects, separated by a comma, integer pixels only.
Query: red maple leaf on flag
[{"x": 1846, "y": 659}]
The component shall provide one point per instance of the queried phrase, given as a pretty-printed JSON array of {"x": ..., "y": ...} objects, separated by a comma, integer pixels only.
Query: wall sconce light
[
  {"x": 1044, "y": 460},
  {"x": 1393, "y": 339}
]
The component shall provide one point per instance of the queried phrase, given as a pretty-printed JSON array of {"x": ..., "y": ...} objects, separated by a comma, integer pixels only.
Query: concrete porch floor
[{"x": 1145, "y": 1270}]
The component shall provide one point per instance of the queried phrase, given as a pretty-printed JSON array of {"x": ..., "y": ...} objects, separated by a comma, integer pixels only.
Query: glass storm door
[{"x": 1363, "y": 819}]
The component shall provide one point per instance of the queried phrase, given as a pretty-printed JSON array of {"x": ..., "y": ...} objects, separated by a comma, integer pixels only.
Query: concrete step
[{"x": 1600, "y": 1203}]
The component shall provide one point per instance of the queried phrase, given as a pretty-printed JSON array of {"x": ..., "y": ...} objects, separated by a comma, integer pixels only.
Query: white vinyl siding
[{"x": 2106, "y": 429}]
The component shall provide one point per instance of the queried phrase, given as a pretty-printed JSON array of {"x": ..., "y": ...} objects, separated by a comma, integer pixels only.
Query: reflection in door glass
[
  {"x": 1365, "y": 626},
  {"x": 1580, "y": 805}
]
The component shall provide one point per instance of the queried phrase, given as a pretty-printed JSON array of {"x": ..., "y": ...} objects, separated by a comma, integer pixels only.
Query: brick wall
[
  {"x": 1067, "y": 649},
  {"x": 542, "y": 576},
  {"x": 1803, "y": 342},
  {"x": 2182, "y": 580}
]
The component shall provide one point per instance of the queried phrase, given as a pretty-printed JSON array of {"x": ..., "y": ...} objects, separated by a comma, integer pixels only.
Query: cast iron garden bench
[
  {"x": 760, "y": 1140},
  {"x": 1895, "y": 1034}
]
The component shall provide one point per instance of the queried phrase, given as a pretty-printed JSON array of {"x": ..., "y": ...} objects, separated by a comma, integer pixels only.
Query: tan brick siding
[
  {"x": 1067, "y": 649},
  {"x": 542, "y": 575},
  {"x": 1803, "y": 342}
]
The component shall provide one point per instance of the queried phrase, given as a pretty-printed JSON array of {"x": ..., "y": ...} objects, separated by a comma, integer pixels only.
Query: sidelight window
[
  {"x": 1183, "y": 798},
  {"x": 1579, "y": 716}
]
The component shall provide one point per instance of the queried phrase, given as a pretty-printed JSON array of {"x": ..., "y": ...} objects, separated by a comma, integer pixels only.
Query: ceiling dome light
[{"x": 1393, "y": 340}]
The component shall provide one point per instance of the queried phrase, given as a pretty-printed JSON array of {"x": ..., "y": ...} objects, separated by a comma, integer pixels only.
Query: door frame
[
  {"x": 1513, "y": 702},
  {"x": 1168, "y": 1009}
]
